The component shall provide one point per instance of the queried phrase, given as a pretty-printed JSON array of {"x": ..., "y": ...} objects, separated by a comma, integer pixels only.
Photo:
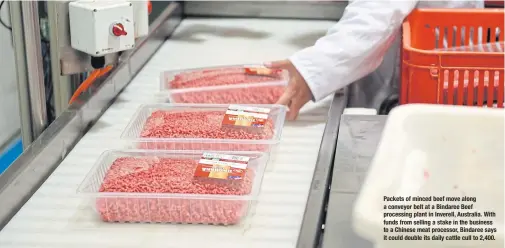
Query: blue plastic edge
[{"x": 10, "y": 154}]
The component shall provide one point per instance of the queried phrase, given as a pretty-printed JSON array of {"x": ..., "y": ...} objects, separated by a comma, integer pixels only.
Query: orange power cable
[{"x": 89, "y": 81}]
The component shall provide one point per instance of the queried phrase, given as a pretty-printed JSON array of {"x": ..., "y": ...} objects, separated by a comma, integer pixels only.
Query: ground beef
[
  {"x": 200, "y": 124},
  {"x": 170, "y": 176},
  {"x": 250, "y": 95},
  {"x": 215, "y": 77},
  {"x": 261, "y": 94}
]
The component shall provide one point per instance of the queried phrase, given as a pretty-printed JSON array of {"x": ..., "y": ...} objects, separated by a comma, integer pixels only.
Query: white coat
[{"x": 363, "y": 47}]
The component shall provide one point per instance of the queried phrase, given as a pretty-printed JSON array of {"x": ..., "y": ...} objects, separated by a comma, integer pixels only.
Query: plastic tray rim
[
  {"x": 225, "y": 87},
  {"x": 163, "y": 88}
]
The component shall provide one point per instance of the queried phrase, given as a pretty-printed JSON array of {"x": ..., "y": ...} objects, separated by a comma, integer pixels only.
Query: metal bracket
[{"x": 30, "y": 76}]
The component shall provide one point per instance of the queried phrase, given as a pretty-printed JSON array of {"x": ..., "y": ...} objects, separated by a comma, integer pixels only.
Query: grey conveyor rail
[
  {"x": 358, "y": 138},
  {"x": 39, "y": 206}
]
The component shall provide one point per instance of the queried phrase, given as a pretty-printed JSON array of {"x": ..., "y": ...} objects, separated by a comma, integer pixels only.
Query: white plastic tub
[
  {"x": 433, "y": 150},
  {"x": 223, "y": 85},
  {"x": 147, "y": 192},
  {"x": 200, "y": 141}
]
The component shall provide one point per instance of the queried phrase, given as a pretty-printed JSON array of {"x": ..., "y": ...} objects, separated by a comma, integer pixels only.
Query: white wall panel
[{"x": 9, "y": 106}]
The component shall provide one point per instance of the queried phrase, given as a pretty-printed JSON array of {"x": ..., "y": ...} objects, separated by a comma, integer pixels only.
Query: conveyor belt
[{"x": 55, "y": 217}]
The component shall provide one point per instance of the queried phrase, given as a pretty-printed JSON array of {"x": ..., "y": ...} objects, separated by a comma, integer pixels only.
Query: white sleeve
[{"x": 354, "y": 47}]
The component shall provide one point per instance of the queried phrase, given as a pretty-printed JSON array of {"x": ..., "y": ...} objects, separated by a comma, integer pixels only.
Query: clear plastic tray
[
  {"x": 212, "y": 85},
  {"x": 124, "y": 206},
  {"x": 133, "y": 131},
  {"x": 435, "y": 151}
]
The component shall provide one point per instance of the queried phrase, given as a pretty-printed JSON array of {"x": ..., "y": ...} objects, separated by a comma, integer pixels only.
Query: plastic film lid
[
  {"x": 151, "y": 121},
  {"x": 175, "y": 174},
  {"x": 227, "y": 77}
]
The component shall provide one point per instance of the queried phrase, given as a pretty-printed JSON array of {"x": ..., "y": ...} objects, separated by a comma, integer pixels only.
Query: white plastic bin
[
  {"x": 435, "y": 151},
  {"x": 146, "y": 186},
  {"x": 235, "y": 84},
  {"x": 210, "y": 135}
]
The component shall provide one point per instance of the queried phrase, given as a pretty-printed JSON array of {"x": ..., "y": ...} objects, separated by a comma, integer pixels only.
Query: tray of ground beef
[
  {"x": 243, "y": 84},
  {"x": 175, "y": 186},
  {"x": 202, "y": 127}
]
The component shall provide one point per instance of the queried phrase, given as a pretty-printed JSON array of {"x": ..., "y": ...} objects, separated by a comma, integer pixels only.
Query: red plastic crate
[{"x": 453, "y": 56}]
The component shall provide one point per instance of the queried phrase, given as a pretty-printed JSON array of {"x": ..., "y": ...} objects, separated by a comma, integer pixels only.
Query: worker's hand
[{"x": 297, "y": 92}]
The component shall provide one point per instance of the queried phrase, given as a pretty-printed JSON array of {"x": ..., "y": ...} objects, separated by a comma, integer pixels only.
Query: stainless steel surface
[
  {"x": 358, "y": 138},
  {"x": 71, "y": 61},
  {"x": 34, "y": 67},
  {"x": 21, "y": 75},
  {"x": 327, "y": 10},
  {"x": 26, "y": 175},
  {"x": 314, "y": 212},
  {"x": 61, "y": 83}
]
